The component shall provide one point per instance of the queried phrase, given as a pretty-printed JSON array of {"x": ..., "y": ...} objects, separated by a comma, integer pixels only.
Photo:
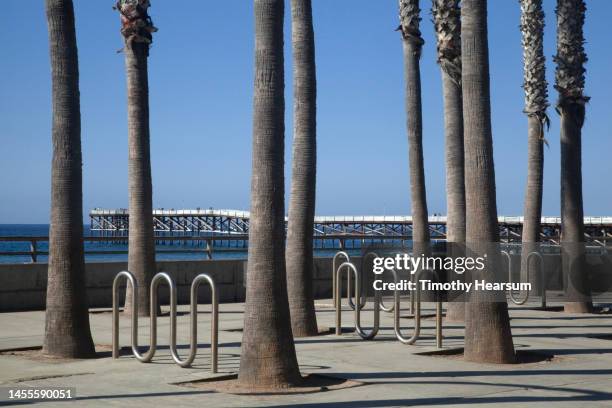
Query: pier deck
[{"x": 330, "y": 229}]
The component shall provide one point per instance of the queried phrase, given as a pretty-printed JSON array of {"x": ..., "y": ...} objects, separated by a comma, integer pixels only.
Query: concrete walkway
[{"x": 394, "y": 374}]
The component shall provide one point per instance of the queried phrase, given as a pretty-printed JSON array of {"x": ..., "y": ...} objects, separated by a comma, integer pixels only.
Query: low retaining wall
[{"x": 23, "y": 286}]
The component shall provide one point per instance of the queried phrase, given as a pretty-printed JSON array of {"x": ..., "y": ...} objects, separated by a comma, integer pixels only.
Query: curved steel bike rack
[
  {"x": 362, "y": 298},
  {"x": 383, "y": 307},
  {"x": 417, "y": 312},
  {"x": 193, "y": 316},
  {"x": 131, "y": 280},
  {"x": 362, "y": 333},
  {"x": 155, "y": 282},
  {"x": 334, "y": 260},
  {"x": 527, "y": 293},
  {"x": 542, "y": 276},
  {"x": 387, "y": 309},
  {"x": 148, "y": 356},
  {"x": 507, "y": 255}
]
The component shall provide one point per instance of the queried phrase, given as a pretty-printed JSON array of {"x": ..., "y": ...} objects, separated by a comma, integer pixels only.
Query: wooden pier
[{"x": 210, "y": 222}]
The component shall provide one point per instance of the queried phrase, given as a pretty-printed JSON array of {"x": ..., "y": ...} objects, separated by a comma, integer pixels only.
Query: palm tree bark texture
[
  {"x": 536, "y": 103},
  {"x": 569, "y": 82},
  {"x": 299, "y": 255},
  {"x": 447, "y": 23},
  {"x": 137, "y": 30},
  {"x": 268, "y": 358},
  {"x": 487, "y": 325},
  {"x": 67, "y": 331},
  {"x": 412, "y": 44}
]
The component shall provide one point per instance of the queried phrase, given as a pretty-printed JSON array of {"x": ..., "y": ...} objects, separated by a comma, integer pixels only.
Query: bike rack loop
[
  {"x": 132, "y": 282},
  {"x": 417, "y": 312},
  {"x": 541, "y": 264},
  {"x": 349, "y": 298},
  {"x": 387, "y": 309},
  {"x": 542, "y": 276},
  {"x": 336, "y": 256},
  {"x": 214, "y": 330},
  {"x": 148, "y": 356},
  {"x": 364, "y": 335}
]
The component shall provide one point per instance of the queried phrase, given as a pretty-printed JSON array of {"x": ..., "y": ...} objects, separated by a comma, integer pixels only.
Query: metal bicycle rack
[
  {"x": 417, "y": 312},
  {"x": 193, "y": 316},
  {"x": 387, "y": 309},
  {"x": 334, "y": 260},
  {"x": 155, "y": 282},
  {"x": 362, "y": 333},
  {"x": 527, "y": 293},
  {"x": 148, "y": 356},
  {"x": 134, "y": 341},
  {"x": 349, "y": 297},
  {"x": 396, "y": 308}
]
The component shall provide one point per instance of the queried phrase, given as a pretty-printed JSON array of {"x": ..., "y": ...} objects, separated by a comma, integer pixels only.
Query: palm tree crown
[{"x": 447, "y": 23}]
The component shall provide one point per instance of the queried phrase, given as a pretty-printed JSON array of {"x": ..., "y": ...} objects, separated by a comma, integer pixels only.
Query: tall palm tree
[
  {"x": 487, "y": 326},
  {"x": 268, "y": 355},
  {"x": 570, "y": 60},
  {"x": 137, "y": 29},
  {"x": 536, "y": 103},
  {"x": 67, "y": 332},
  {"x": 304, "y": 173},
  {"x": 412, "y": 44},
  {"x": 447, "y": 23}
]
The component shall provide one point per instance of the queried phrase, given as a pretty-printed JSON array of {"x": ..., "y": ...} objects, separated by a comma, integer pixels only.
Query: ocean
[
  {"x": 162, "y": 248},
  {"x": 42, "y": 230}
]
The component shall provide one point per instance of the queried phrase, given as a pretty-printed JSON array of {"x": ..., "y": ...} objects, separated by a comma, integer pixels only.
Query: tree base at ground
[{"x": 578, "y": 307}]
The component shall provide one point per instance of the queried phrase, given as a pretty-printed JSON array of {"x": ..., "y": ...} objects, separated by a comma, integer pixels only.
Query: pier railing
[
  {"x": 205, "y": 245},
  {"x": 201, "y": 245},
  {"x": 208, "y": 245}
]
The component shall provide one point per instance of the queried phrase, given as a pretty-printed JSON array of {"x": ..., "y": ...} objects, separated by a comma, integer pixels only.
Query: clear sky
[{"x": 201, "y": 68}]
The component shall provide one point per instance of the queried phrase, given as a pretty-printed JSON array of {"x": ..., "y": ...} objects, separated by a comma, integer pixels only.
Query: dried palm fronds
[
  {"x": 135, "y": 21},
  {"x": 571, "y": 57},
  {"x": 534, "y": 62},
  {"x": 447, "y": 23},
  {"x": 409, "y": 24}
]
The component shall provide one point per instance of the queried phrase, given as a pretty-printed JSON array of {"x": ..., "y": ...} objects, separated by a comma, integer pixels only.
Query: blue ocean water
[
  {"x": 162, "y": 247},
  {"x": 42, "y": 230}
]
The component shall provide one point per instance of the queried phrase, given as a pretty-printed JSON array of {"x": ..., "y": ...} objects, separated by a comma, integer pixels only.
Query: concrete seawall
[{"x": 23, "y": 286}]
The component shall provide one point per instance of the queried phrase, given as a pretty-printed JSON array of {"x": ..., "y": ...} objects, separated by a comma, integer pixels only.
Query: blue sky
[{"x": 201, "y": 68}]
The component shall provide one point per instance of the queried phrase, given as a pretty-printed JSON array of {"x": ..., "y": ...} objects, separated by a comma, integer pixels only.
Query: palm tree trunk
[
  {"x": 487, "y": 325},
  {"x": 455, "y": 186},
  {"x": 302, "y": 204},
  {"x": 447, "y": 22},
  {"x": 570, "y": 60},
  {"x": 536, "y": 102},
  {"x": 141, "y": 242},
  {"x": 67, "y": 332},
  {"x": 533, "y": 202},
  {"x": 412, "y": 43},
  {"x": 268, "y": 355}
]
